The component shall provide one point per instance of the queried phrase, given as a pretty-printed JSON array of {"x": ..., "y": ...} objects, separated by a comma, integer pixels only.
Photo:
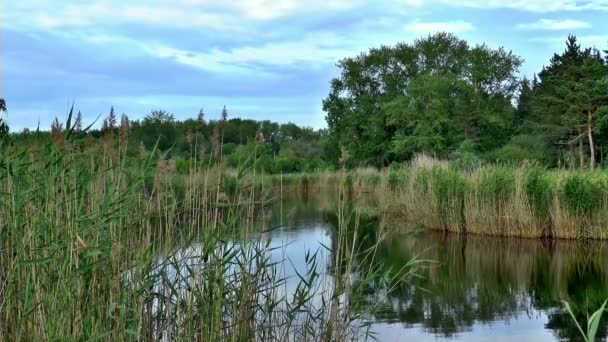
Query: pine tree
[
  {"x": 111, "y": 119},
  {"x": 224, "y": 115},
  {"x": 571, "y": 95},
  {"x": 4, "y": 129},
  {"x": 201, "y": 117},
  {"x": 524, "y": 104}
]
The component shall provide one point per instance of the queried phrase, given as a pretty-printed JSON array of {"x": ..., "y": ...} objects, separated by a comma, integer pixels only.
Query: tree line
[
  {"x": 277, "y": 147},
  {"x": 443, "y": 97},
  {"x": 438, "y": 95}
]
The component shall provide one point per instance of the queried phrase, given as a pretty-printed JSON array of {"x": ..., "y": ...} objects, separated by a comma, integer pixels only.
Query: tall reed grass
[
  {"x": 524, "y": 201},
  {"x": 98, "y": 246}
]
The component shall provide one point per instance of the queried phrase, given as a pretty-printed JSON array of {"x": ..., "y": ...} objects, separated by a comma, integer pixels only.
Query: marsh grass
[
  {"x": 99, "y": 246},
  {"x": 525, "y": 201}
]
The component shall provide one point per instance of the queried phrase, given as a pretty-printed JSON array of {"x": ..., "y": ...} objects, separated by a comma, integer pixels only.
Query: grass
[
  {"x": 593, "y": 322},
  {"x": 99, "y": 245},
  {"x": 525, "y": 201}
]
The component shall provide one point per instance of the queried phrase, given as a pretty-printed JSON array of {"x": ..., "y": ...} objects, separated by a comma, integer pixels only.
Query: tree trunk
[
  {"x": 581, "y": 154},
  {"x": 591, "y": 147},
  {"x": 572, "y": 160}
]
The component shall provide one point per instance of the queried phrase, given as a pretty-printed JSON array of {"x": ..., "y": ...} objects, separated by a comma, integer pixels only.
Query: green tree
[
  {"x": 4, "y": 130},
  {"x": 421, "y": 119},
  {"x": 427, "y": 96},
  {"x": 159, "y": 126},
  {"x": 571, "y": 99},
  {"x": 524, "y": 104}
]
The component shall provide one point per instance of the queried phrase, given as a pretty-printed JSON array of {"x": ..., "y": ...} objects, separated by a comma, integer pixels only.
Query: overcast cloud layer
[{"x": 263, "y": 59}]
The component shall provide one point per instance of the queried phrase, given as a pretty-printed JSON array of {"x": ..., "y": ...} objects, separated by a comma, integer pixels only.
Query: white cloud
[
  {"x": 559, "y": 43},
  {"x": 458, "y": 26},
  {"x": 96, "y": 13},
  {"x": 314, "y": 50},
  {"x": 228, "y": 16},
  {"x": 264, "y": 10},
  {"x": 539, "y": 6},
  {"x": 555, "y": 25}
]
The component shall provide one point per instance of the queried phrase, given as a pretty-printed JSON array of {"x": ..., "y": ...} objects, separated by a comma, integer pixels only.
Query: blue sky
[{"x": 262, "y": 59}]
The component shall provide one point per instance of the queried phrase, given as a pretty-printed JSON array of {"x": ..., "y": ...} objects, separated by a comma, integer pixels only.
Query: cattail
[
  {"x": 125, "y": 128},
  {"x": 259, "y": 138}
]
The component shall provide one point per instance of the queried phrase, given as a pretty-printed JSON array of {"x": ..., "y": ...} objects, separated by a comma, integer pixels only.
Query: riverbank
[{"x": 526, "y": 201}]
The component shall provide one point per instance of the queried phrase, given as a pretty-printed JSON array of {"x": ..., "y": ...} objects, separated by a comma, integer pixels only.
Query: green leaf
[
  {"x": 574, "y": 319},
  {"x": 594, "y": 322}
]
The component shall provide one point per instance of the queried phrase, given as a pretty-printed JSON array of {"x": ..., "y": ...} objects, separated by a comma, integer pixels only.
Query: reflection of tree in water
[
  {"x": 483, "y": 280},
  {"x": 586, "y": 292}
]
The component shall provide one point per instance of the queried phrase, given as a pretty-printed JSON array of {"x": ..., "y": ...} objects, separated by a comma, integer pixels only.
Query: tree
[
  {"x": 4, "y": 129},
  {"x": 411, "y": 95},
  {"x": 421, "y": 119},
  {"x": 111, "y": 119},
  {"x": 159, "y": 126},
  {"x": 524, "y": 104},
  {"x": 571, "y": 97}
]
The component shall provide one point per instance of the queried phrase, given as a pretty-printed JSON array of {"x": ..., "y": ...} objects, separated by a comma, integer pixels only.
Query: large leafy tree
[
  {"x": 429, "y": 96},
  {"x": 159, "y": 126}
]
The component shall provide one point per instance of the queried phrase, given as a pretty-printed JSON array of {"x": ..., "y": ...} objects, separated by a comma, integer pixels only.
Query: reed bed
[
  {"x": 525, "y": 201},
  {"x": 99, "y": 245}
]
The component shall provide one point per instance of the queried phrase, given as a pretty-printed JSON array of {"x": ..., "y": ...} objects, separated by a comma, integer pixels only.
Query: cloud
[
  {"x": 592, "y": 40},
  {"x": 235, "y": 15},
  {"x": 554, "y": 25},
  {"x": 538, "y": 6},
  {"x": 264, "y": 10},
  {"x": 458, "y": 26}
]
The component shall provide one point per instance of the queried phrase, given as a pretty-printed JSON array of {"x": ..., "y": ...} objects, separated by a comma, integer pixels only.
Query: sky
[{"x": 262, "y": 59}]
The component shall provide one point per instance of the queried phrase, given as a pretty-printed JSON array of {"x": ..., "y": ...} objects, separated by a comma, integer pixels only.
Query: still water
[{"x": 480, "y": 289}]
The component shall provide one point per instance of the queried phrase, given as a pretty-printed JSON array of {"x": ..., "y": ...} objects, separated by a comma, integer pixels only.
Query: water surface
[{"x": 481, "y": 288}]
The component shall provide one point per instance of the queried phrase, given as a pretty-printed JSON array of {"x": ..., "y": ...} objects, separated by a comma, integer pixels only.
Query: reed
[
  {"x": 525, "y": 201},
  {"x": 99, "y": 246}
]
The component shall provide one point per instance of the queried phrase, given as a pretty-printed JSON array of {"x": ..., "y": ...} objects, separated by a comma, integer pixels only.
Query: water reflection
[
  {"x": 481, "y": 280},
  {"x": 480, "y": 288},
  {"x": 482, "y": 285}
]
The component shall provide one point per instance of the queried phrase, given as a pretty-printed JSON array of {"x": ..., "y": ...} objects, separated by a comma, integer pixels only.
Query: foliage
[{"x": 428, "y": 96}]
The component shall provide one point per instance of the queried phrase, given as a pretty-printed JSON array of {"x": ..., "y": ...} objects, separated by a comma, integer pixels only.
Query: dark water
[{"x": 481, "y": 289}]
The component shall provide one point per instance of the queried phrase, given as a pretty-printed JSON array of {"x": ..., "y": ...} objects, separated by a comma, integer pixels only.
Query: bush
[{"x": 182, "y": 165}]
